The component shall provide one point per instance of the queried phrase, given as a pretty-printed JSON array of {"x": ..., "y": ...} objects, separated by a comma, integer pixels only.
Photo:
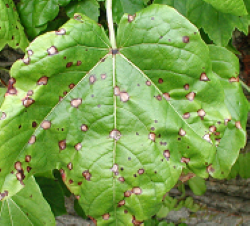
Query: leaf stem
[
  {"x": 110, "y": 23},
  {"x": 245, "y": 86}
]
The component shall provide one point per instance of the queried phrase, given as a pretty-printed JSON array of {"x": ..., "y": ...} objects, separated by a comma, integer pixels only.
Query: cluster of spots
[
  {"x": 115, "y": 134},
  {"x": 124, "y": 97},
  {"x": 11, "y": 89},
  {"x": 62, "y": 31},
  {"x": 131, "y": 18},
  {"x": 20, "y": 172},
  {"x": 135, "y": 190},
  {"x": 233, "y": 79},
  {"x": 4, "y": 194},
  {"x": 87, "y": 175},
  {"x": 76, "y": 102}
]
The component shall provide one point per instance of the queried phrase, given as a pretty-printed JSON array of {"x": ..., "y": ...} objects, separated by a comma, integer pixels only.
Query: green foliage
[{"x": 121, "y": 124}]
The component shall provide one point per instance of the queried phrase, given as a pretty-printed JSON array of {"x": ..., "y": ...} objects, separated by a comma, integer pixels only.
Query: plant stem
[
  {"x": 110, "y": 23},
  {"x": 245, "y": 86}
]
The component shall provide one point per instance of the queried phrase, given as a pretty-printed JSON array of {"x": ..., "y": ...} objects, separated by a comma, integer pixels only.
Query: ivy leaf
[
  {"x": 237, "y": 8},
  {"x": 119, "y": 124},
  {"x": 87, "y": 7},
  {"x": 119, "y": 7},
  {"x": 226, "y": 66},
  {"x": 11, "y": 30},
  {"x": 179, "y": 5},
  {"x": 203, "y": 15},
  {"x": 197, "y": 185},
  {"x": 22, "y": 208},
  {"x": 53, "y": 193},
  {"x": 35, "y": 14}
]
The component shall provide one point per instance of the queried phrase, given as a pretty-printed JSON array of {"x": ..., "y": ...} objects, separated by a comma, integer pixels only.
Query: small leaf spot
[
  {"x": 158, "y": 97},
  {"x": 210, "y": 169},
  {"x": 212, "y": 129},
  {"x": 72, "y": 85},
  {"x": 115, "y": 134},
  {"x": 121, "y": 179},
  {"x": 28, "y": 101},
  {"x": 105, "y": 216},
  {"x": 166, "y": 96},
  {"x": 78, "y": 63},
  {"x": 46, "y": 124},
  {"x": 182, "y": 132},
  {"x": 131, "y": 18},
  {"x": 166, "y": 154},
  {"x": 233, "y": 79},
  {"x": 76, "y": 102},
  {"x": 92, "y": 79},
  {"x": 71, "y": 181},
  {"x": 78, "y": 146},
  {"x": 160, "y": 80},
  {"x": 207, "y": 138},
  {"x": 62, "y": 144},
  {"x": 26, "y": 60},
  {"x": 27, "y": 158},
  {"x": 3, "y": 116},
  {"x": 127, "y": 193},
  {"x": 103, "y": 76},
  {"x": 124, "y": 97},
  {"x": 186, "y": 86},
  {"x": 226, "y": 121},
  {"x": 69, "y": 64},
  {"x": 62, "y": 31},
  {"x": 186, "y": 115},
  {"x": 70, "y": 166},
  {"x": 30, "y": 52},
  {"x": 42, "y": 81},
  {"x": 185, "y": 39},
  {"x": 140, "y": 171},
  {"x": 190, "y": 96},
  {"x": 32, "y": 140},
  {"x": 52, "y": 50},
  {"x": 137, "y": 190},
  {"x": 201, "y": 113},
  {"x": 30, "y": 93},
  {"x": 204, "y": 77},
  {"x": 84, "y": 127},
  {"x": 185, "y": 160},
  {"x": 151, "y": 136},
  {"x": 238, "y": 125},
  {"x": 18, "y": 166},
  {"x": 121, "y": 203},
  {"x": 87, "y": 175},
  {"x": 148, "y": 83},
  {"x": 116, "y": 91}
]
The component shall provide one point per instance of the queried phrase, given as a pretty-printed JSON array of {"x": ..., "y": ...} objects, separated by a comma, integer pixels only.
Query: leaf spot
[
  {"x": 72, "y": 85},
  {"x": 207, "y": 138},
  {"x": 212, "y": 129},
  {"x": 76, "y": 102},
  {"x": 160, "y": 80},
  {"x": 201, "y": 113},
  {"x": 137, "y": 190},
  {"x": 116, "y": 91},
  {"x": 166, "y": 154},
  {"x": 87, "y": 175},
  {"x": 18, "y": 166},
  {"x": 166, "y": 96},
  {"x": 69, "y": 64},
  {"x": 26, "y": 60},
  {"x": 52, "y": 50},
  {"x": 131, "y": 18},
  {"x": 3, "y": 116},
  {"x": 140, "y": 171},
  {"x": 190, "y": 96},
  {"x": 30, "y": 52},
  {"x": 151, "y": 136},
  {"x": 70, "y": 166},
  {"x": 62, "y": 31},
  {"x": 148, "y": 83},
  {"x": 185, "y": 160},
  {"x": 124, "y": 97},
  {"x": 121, "y": 203},
  {"x": 62, "y": 144},
  {"x": 105, "y": 216},
  {"x": 32, "y": 140},
  {"x": 115, "y": 134},
  {"x": 92, "y": 79},
  {"x": 204, "y": 77},
  {"x": 185, "y": 39},
  {"x": 127, "y": 193},
  {"x": 27, "y": 158},
  {"x": 233, "y": 79},
  {"x": 186, "y": 115},
  {"x": 186, "y": 86},
  {"x": 84, "y": 127},
  {"x": 158, "y": 97},
  {"x": 30, "y": 93},
  {"x": 27, "y": 102},
  {"x": 182, "y": 132},
  {"x": 78, "y": 146},
  {"x": 103, "y": 76},
  {"x": 121, "y": 179},
  {"x": 46, "y": 124},
  {"x": 238, "y": 125},
  {"x": 210, "y": 169}
]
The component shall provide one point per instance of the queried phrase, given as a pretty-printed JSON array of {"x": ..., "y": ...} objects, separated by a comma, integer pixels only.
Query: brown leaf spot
[
  {"x": 207, "y": 138},
  {"x": 124, "y": 97},
  {"x": 105, "y": 216},
  {"x": 166, "y": 154},
  {"x": 226, "y": 121},
  {"x": 103, "y": 76},
  {"x": 238, "y": 125},
  {"x": 30, "y": 93},
  {"x": 27, "y": 158},
  {"x": 30, "y": 52},
  {"x": 182, "y": 132},
  {"x": 185, "y": 160},
  {"x": 137, "y": 190},
  {"x": 62, "y": 31},
  {"x": 52, "y": 50},
  {"x": 84, "y": 127},
  {"x": 26, "y": 60},
  {"x": 19, "y": 176},
  {"x": 69, "y": 64},
  {"x": 190, "y": 96},
  {"x": 78, "y": 146},
  {"x": 131, "y": 18},
  {"x": 160, "y": 80},
  {"x": 116, "y": 91},
  {"x": 158, "y": 97},
  {"x": 70, "y": 166},
  {"x": 210, "y": 169},
  {"x": 18, "y": 166},
  {"x": 166, "y": 96},
  {"x": 87, "y": 175},
  {"x": 121, "y": 203},
  {"x": 72, "y": 85},
  {"x": 185, "y": 39},
  {"x": 78, "y": 63},
  {"x": 71, "y": 181},
  {"x": 212, "y": 129},
  {"x": 62, "y": 144},
  {"x": 186, "y": 86},
  {"x": 46, "y": 124},
  {"x": 201, "y": 113},
  {"x": 115, "y": 134},
  {"x": 141, "y": 171},
  {"x": 28, "y": 101},
  {"x": 121, "y": 179},
  {"x": 186, "y": 115},
  {"x": 151, "y": 136},
  {"x": 42, "y": 81},
  {"x": 32, "y": 140},
  {"x": 204, "y": 77},
  {"x": 233, "y": 79},
  {"x": 76, "y": 102},
  {"x": 3, "y": 116},
  {"x": 148, "y": 83},
  {"x": 127, "y": 193}
]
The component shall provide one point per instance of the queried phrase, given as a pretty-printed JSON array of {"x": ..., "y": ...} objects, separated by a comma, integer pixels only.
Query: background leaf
[
  {"x": 197, "y": 185},
  {"x": 179, "y": 5},
  {"x": 22, "y": 208},
  {"x": 11, "y": 30},
  {"x": 87, "y": 7}
]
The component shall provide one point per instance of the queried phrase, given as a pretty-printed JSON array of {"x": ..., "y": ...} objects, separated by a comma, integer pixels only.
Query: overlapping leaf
[
  {"x": 119, "y": 124},
  {"x": 27, "y": 207},
  {"x": 11, "y": 31},
  {"x": 179, "y": 5}
]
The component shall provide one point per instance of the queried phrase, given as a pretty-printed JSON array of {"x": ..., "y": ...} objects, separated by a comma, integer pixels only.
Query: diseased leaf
[
  {"x": 11, "y": 30},
  {"x": 203, "y": 15},
  {"x": 226, "y": 66},
  {"x": 119, "y": 124},
  {"x": 53, "y": 193},
  {"x": 88, "y": 7},
  {"x": 119, "y": 7},
  {"x": 22, "y": 208},
  {"x": 179, "y": 5},
  {"x": 35, "y": 14},
  {"x": 237, "y": 7}
]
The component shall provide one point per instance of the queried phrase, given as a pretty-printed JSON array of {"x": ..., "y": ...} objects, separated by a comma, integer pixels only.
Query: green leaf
[
  {"x": 226, "y": 66},
  {"x": 237, "y": 8},
  {"x": 197, "y": 185},
  {"x": 163, "y": 212},
  {"x": 244, "y": 165},
  {"x": 87, "y": 7},
  {"x": 79, "y": 209},
  {"x": 11, "y": 30},
  {"x": 119, "y": 7},
  {"x": 179, "y": 5},
  {"x": 203, "y": 15},
  {"x": 35, "y": 14},
  {"x": 247, "y": 4},
  {"x": 53, "y": 193},
  {"x": 63, "y": 2},
  {"x": 28, "y": 207},
  {"x": 2, "y": 93},
  {"x": 120, "y": 125}
]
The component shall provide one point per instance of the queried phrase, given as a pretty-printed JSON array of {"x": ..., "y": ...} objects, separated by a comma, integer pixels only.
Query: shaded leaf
[
  {"x": 2, "y": 93},
  {"x": 53, "y": 193},
  {"x": 237, "y": 8},
  {"x": 226, "y": 66},
  {"x": 120, "y": 125},
  {"x": 79, "y": 209},
  {"x": 88, "y": 7},
  {"x": 22, "y": 208},
  {"x": 11, "y": 30},
  {"x": 203, "y": 15},
  {"x": 179, "y": 5}
]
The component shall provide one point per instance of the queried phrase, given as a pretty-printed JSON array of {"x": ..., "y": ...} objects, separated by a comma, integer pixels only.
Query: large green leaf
[
  {"x": 88, "y": 7},
  {"x": 226, "y": 66},
  {"x": 27, "y": 207},
  {"x": 218, "y": 25},
  {"x": 237, "y": 7},
  {"x": 11, "y": 31},
  {"x": 119, "y": 124},
  {"x": 179, "y": 5}
]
